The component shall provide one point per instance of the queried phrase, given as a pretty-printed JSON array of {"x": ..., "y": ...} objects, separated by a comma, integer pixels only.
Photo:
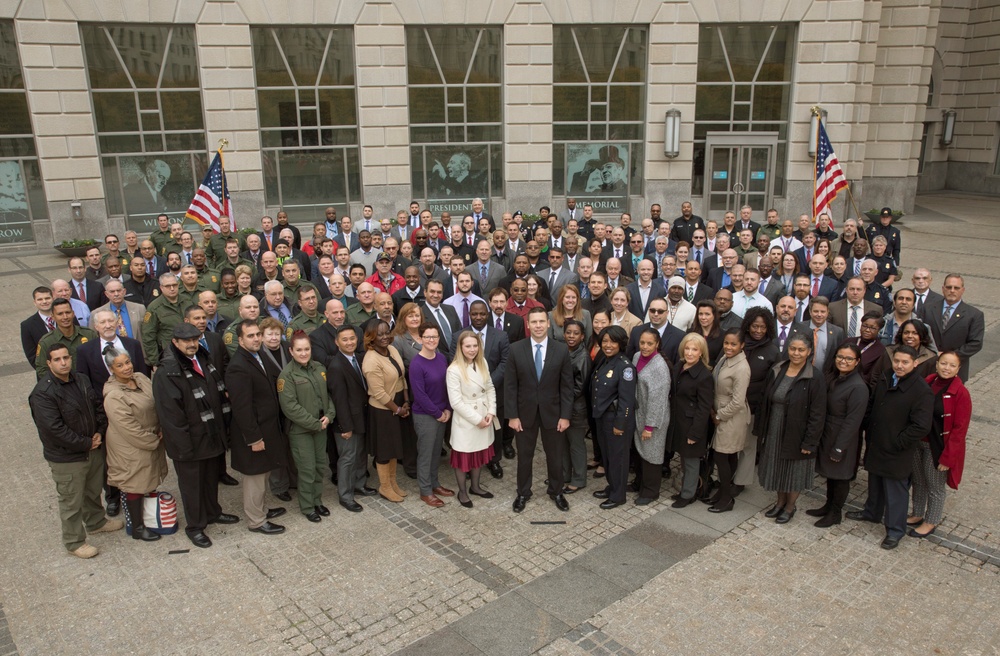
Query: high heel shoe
[{"x": 715, "y": 508}]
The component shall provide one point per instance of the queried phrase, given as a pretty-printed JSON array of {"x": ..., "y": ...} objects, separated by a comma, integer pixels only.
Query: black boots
[{"x": 139, "y": 530}]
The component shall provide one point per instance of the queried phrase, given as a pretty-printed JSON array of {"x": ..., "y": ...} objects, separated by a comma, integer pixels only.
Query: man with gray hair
[{"x": 128, "y": 314}]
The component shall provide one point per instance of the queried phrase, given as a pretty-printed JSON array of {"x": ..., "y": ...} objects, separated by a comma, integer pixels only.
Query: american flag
[
  {"x": 212, "y": 198},
  {"x": 829, "y": 176}
]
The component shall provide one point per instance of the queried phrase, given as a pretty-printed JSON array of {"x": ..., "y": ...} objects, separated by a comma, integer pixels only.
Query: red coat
[
  {"x": 957, "y": 415},
  {"x": 398, "y": 282}
]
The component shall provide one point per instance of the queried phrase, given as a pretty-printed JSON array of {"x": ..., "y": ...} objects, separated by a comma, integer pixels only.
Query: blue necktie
[{"x": 538, "y": 361}]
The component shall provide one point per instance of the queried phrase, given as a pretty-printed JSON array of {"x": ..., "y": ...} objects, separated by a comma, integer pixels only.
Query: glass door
[{"x": 740, "y": 171}]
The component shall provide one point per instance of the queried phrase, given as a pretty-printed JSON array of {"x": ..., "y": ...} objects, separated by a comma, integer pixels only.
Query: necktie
[
  {"x": 203, "y": 342},
  {"x": 852, "y": 326},
  {"x": 690, "y": 294},
  {"x": 107, "y": 346},
  {"x": 149, "y": 268},
  {"x": 697, "y": 256},
  {"x": 920, "y": 302},
  {"x": 782, "y": 336},
  {"x": 499, "y": 324},
  {"x": 572, "y": 214},
  {"x": 197, "y": 367},
  {"x": 618, "y": 252},
  {"x": 613, "y": 284},
  {"x": 268, "y": 238},
  {"x": 815, "y": 343},
  {"x": 256, "y": 356},
  {"x": 188, "y": 258},
  {"x": 552, "y": 281},
  {"x": 445, "y": 327},
  {"x": 282, "y": 318},
  {"x": 538, "y": 361},
  {"x": 465, "y": 313},
  {"x": 83, "y": 294},
  {"x": 948, "y": 309},
  {"x": 121, "y": 324},
  {"x": 368, "y": 226},
  {"x": 354, "y": 363},
  {"x": 50, "y": 323},
  {"x": 470, "y": 240},
  {"x": 482, "y": 274},
  {"x": 809, "y": 254},
  {"x": 815, "y": 289},
  {"x": 799, "y": 310},
  {"x": 857, "y": 267}
]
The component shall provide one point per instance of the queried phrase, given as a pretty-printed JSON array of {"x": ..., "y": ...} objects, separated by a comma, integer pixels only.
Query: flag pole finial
[
  {"x": 223, "y": 143},
  {"x": 816, "y": 110}
]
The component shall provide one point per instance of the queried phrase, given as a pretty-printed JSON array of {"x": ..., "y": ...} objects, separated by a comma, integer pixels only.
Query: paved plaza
[{"x": 410, "y": 579}]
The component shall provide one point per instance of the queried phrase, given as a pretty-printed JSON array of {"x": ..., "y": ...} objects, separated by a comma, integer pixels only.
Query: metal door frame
[{"x": 738, "y": 139}]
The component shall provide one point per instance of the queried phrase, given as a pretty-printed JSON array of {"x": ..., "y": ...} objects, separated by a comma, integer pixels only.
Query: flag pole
[
  {"x": 815, "y": 112},
  {"x": 222, "y": 164}
]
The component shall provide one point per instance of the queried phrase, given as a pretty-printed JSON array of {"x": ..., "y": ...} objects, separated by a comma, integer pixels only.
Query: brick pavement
[{"x": 407, "y": 577}]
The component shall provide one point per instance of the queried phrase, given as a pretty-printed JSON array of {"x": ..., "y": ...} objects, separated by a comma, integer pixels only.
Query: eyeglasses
[
  {"x": 655, "y": 311},
  {"x": 845, "y": 358},
  {"x": 111, "y": 241}
]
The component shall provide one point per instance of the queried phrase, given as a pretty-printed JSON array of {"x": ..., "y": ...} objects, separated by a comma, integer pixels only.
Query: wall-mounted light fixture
[
  {"x": 948, "y": 133},
  {"x": 818, "y": 114},
  {"x": 77, "y": 209},
  {"x": 672, "y": 140}
]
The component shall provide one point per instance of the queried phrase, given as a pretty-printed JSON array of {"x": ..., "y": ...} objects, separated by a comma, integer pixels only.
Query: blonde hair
[
  {"x": 697, "y": 339},
  {"x": 459, "y": 361}
]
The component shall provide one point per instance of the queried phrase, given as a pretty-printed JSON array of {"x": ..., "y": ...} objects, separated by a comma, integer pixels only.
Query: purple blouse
[{"x": 427, "y": 385}]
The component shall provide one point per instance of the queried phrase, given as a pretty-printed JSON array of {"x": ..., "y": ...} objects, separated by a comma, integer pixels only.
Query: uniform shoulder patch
[
  {"x": 323, "y": 374},
  {"x": 156, "y": 292},
  {"x": 83, "y": 340},
  {"x": 281, "y": 385},
  {"x": 628, "y": 374},
  {"x": 228, "y": 338},
  {"x": 38, "y": 350},
  {"x": 288, "y": 333},
  {"x": 146, "y": 317}
]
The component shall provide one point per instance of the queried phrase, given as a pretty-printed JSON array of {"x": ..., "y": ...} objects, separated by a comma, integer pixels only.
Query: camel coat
[
  {"x": 732, "y": 378},
  {"x": 471, "y": 400},
  {"x": 137, "y": 460}
]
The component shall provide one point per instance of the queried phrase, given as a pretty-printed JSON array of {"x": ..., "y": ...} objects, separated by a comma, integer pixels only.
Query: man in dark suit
[
  {"x": 90, "y": 363},
  {"x": 746, "y": 223},
  {"x": 853, "y": 303},
  {"x": 324, "y": 338},
  {"x": 819, "y": 284},
  {"x": 670, "y": 336},
  {"x": 267, "y": 235},
  {"x": 720, "y": 277},
  {"x": 349, "y": 392},
  {"x": 83, "y": 289},
  {"x": 694, "y": 289},
  {"x": 922, "y": 291},
  {"x": 508, "y": 322},
  {"x": 539, "y": 371},
  {"x": 258, "y": 444},
  {"x": 444, "y": 316},
  {"x": 411, "y": 293},
  {"x": 646, "y": 285},
  {"x": 785, "y": 323},
  {"x": 955, "y": 325},
  {"x": 826, "y": 336},
  {"x": 39, "y": 324},
  {"x": 496, "y": 348},
  {"x": 347, "y": 238}
]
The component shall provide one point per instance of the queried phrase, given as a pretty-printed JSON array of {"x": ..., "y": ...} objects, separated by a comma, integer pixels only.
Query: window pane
[
  {"x": 180, "y": 68},
  {"x": 277, "y": 108},
  {"x": 426, "y": 105},
  {"x": 570, "y": 132},
  {"x": 188, "y": 141},
  {"x": 10, "y": 63},
  {"x": 625, "y": 103},
  {"x": 453, "y": 47},
  {"x": 15, "y": 218},
  {"x": 182, "y": 110},
  {"x": 567, "y": 65},
  {"x": 485, "y": 133},
  {"x": 303, "y": 48},
  {"x": 600, "y": 45},
  {"x": 311, "y": 176},
  {"x": 103, "y": 67},
  {"x": 120, "y": 144},
  {"x": 711, "y": 57},
  {"x": 486, "y": 65},
  {"x": 558, "y": 169},
  {"x": 152, "y": 143},
  {"x": 269, "y": 160},
  {"x": 268, "y": 64},
  {"x": 770, "y": 102},
  {"x": 23, "y": 147},
  {"x": 632, "y": 61},
  {"x": 569, "y": 103},
  {"x": 336, "y": 107},
  {"x": 14, "y": 117},
  {"x": 434, "y": 134},
  {"x": 713, "y": 103},
  {"x": 745, "y": 47},
  {"x": 778, "y": 60},
  {"x": 624, "y": 132},
  {"x": 36, "y": 190},
  {"x": 637, "y": 173},
  {"x": 339, "y": 68},
  {"x": 115, "y": 112},
  {"x": 151, "y": 122},
  {"x": 417, "y": 171},
  {"x": 353, "y": 174},
  {"x": 496, "y": 170},
  {"x": 141, "y": 48},
  {"x": 483, "y": 104}
]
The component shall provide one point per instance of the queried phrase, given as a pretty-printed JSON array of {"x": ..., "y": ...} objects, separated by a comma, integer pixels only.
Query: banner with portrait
[
  {"x": 456, "y": 175},
  {"x": 15, "y": 219},
  {"x": 158, "y": 184},
  {"x": 598, "y": 174}
]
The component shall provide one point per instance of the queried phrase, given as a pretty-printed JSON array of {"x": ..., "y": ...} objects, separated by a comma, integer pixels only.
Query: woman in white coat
[{"x": 474, "y": 405}]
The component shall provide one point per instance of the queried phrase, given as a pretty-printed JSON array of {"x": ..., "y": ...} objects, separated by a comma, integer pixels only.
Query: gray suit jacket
[
  {"x": 565, "y": 277},
  {"x": 495, "y": 274}
]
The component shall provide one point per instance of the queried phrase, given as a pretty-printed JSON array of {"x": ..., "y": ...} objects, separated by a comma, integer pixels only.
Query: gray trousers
[
  {"x": 254, "y": 491},
  {"x": 79, "y": 486},
  {"x": 352, "y": 465},
  {"x": 691, "y": 468},
  {"x": 575, "y": 462},
  {"x": 928, "y": 486},
  {"x": 430, "y": 435}
]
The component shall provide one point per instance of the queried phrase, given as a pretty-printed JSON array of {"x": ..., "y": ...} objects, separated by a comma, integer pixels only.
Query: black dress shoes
[
  {"x": 716, "y": 508},
  {"x": 226, "y": 479},
  {"x": 225, "y": 518},
  {"x": 353, "y": 506},
  {"x": 818, "y": 512},
  {"x": 682, "y": 502},
  {"x": 609, "y": 504},
  {"x": 482, "y": 494},
  {"x": 275, "y": 512},
  {"x": 366, "y": 491},
  {"x": 496, "y": 470},
  {"x": 519, "y": 503},
  {"x": 561, "y": 502},
  {"x": 785, "y": 516},
  {"x": 283, "y": 496},
  {"x": 828, "y": 520},
  {"x": 602, "y": 494},
  {"x": 890, "y": 543},
  {"x": 267, "y": 528},
  {"x": 199, "y": 539},
  {"x": 633, "y": 486},
  {"x": 114, "y": 507},
  {"x": 774, "y": 511},
  {"x": 323, "y": 511},
  {"x": 313, "y": 517},
  {"x": 508, "y": 452},
  {"x": 643, "y": 501},
  {"x": 860, "y": 516}
]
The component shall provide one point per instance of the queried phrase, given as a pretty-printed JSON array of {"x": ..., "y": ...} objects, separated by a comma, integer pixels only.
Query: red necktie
[
  {"x": 50, "y": 322},
  {"x": 815, "y": 289},
  {"x": 197, "y": 367},
  {"x": 149, "y": 268},
  {"x": 83, "y": 294}
]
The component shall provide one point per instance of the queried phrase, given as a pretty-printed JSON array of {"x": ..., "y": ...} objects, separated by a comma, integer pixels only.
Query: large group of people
[{"x": 759, "y": 353}]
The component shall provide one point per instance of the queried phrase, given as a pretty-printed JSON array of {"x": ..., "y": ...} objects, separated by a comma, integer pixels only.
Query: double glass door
[{"x": 740, "y": 171}]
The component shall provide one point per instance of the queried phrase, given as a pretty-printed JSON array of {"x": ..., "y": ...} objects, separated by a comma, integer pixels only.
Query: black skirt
[{"x": 385, "y": 433}]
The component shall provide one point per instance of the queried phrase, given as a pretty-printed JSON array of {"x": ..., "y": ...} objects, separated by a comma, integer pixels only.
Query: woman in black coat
[
  {"x": 790, "y": 421},
  {"x": 691, "y": 397},
  {"x": 758, "y": 334},
  {"x": 840, "y": 446}
]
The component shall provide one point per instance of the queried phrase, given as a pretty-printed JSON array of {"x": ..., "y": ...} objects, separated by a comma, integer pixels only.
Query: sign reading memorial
[
  {"x": 598, "y": 174},
  {"x": 15, "y": 220},
  {"x": 157, "y": 184},
  {"x": 455, "y": 176}
]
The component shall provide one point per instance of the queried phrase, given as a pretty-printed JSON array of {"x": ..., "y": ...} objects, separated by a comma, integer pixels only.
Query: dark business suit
[
  {"x": 33, "y": 329},
  {"x": 532, "y": 400},
  {"x": 513, "y": 325},
  {"x": 929, "y": 295},
  {"x": 635, "y": 304},
  {"x": 827, "y": 287},
  {"x": 454, "y": 324},
  {"x": 350, "y": 396},
  {"x": 93, "y": 290},
  {"x": 963, "y": 334},
  {"x": 669, "y": 341}
]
